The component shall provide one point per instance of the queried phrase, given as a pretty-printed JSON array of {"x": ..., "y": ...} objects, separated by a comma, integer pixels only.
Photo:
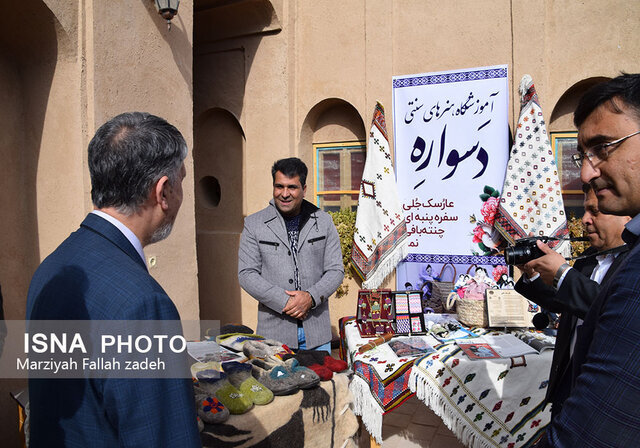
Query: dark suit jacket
[
  {"x": 573, "y": 299},
  {"x": 602, "y": 409},
  {"x": 96, "y": 274}
]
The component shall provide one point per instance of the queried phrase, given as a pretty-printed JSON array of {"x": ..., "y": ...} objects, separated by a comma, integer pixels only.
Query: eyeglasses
[{"x": 599, "y": 152}]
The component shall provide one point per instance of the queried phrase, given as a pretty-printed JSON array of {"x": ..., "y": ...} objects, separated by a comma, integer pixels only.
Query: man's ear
[
  {"x": 304, "y": 191},
  {"x": 161, "y": 191}
]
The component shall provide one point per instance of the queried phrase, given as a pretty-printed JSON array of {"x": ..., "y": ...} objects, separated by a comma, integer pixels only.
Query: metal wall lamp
[{"x": 167, "y": 9}]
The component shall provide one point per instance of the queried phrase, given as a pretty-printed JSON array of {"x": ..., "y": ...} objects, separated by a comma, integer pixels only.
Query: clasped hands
[{"x": 298, "y": 305}]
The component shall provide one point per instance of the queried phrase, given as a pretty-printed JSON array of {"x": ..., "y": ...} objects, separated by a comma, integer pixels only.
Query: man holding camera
[
  {"x": 602, "y": 408},
  {"x": 575, "y": 288}
]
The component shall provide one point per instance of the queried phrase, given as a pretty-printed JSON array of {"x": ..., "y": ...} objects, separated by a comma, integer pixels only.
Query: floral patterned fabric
[{"x": 531, "y": 199}]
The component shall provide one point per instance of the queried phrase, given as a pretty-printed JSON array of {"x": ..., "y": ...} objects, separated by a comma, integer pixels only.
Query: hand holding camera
[
  {"x": 547, "y": 264},
  {"x": 532, "y": 255}
]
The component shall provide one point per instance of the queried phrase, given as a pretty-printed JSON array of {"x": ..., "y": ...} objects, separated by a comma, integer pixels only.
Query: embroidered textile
[
  {"x": 380, "y": 238},
  {"x": 531, "y": 199},
  {"x": 491, "y": 403},
  {"x": 384, "y": 377}
]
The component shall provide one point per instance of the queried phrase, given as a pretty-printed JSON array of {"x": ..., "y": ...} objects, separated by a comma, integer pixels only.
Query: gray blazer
[{"x": 266, "y": 270}]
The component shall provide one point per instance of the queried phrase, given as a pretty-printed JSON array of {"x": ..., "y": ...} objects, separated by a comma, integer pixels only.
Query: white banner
[{"x": 451, "y": 138}]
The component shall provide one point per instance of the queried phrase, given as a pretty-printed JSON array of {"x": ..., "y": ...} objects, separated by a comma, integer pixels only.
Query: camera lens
[{"x": 517, "y": 254}]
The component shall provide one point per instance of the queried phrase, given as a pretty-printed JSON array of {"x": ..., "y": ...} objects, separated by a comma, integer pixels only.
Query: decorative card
[
  {"x": 402, "y": 303},
  {"x": 416, "y": 325},
  {"x": 402, "y": 324},
  {"x": 415, "y": 302}
]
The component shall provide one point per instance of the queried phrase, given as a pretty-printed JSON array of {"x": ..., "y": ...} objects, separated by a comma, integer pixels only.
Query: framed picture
[{"x": 564, "y": 145}]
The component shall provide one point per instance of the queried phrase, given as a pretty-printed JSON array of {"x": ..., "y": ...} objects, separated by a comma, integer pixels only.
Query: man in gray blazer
[{"x": 290, "y": 261}]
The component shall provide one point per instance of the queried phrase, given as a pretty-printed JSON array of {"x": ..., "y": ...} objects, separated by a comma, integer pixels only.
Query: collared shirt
[{"x": 133, "y": 239}]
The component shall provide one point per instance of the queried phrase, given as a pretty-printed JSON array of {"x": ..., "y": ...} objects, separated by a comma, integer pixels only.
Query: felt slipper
[
  {"x": 305, "y": 378},
  {"x": 335, "y": 365},
  {"x": 239, "y": 375},
  {"x": 275, "y": 377},
  {"x": 323, "y": 372},
  {"x": 234, "y": 400},
  {"x": 312, "y": 360},
  {"x": 210, "y": 410},
  {"x": 235, "y": 328},
  {"x": 265, "y": 349},
  {"x": 200, "y": 424},
  {"x": 235, "y": 341},
  {"x": 211, "y": 369}
]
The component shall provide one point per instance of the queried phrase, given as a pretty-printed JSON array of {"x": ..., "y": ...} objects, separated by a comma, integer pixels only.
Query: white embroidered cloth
[
  {"x": 531, "y": 198},
  {"x": 486, "y": 403},
  {"x": 380, "y": 239}
]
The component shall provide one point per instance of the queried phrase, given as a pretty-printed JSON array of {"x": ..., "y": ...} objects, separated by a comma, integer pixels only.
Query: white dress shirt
[{"x": 133, "y": 239}]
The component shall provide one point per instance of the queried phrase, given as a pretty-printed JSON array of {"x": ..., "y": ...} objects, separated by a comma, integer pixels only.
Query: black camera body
[{"x": 525, "y": 250}]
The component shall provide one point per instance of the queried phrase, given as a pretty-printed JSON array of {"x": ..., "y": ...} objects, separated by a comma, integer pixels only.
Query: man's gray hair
[{"x": 128, "y": 155}]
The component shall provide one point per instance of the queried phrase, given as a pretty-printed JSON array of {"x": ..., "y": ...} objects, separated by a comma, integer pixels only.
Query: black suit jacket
[{"x": 573, "y": 300}]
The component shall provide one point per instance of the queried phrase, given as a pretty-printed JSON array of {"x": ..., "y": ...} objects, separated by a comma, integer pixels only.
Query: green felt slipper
[
  {"x": 233, "y": 399},
  {"x": 239, "y": 375}
]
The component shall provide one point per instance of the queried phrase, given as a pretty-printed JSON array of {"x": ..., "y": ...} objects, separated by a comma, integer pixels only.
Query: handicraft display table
[{"x": 485, "y": 403}]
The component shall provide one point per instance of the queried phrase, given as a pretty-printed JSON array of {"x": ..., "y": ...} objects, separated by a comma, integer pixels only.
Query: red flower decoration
[
  {"x": 211, "y": 404},
  {"x": 477, "y": 234},
  {"x": 489, "y": 209}
]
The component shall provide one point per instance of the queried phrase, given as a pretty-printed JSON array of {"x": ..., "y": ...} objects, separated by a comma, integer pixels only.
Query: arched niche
[
  {"x": 218, "y": 168},
  {"x": 29, "y": 50},
  {"x": 562, "y": 115},
  {"x": 331, "y": 120},
  {"x": 28, "y": 56}
]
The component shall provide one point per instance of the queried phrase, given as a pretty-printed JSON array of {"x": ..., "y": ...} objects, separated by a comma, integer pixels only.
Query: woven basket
[
  {"x": 440, "y": 291},
  {"x": 472, "y": 313}
]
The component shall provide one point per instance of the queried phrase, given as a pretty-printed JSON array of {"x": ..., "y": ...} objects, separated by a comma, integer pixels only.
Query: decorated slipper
[
  {"x": 210, "y": 410},
  {"x": 211, "y": 370},
  {"x": 275, "y": 377},
  {"x": 234, "y": 400},
  {"x": 333, "y": 364},
  {"x": 200, "y": 424},
  {"x": 304, "y": 378},
  {"x": 239, "y": 375},
  {"x": 235, "y": 341},
  {"x": 265, "y": 349},
  {"x": 308, "y": 359}
]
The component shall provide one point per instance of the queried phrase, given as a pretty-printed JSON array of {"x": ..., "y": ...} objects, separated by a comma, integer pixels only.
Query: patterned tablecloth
[
  {"x": 381, "y": 380},
  {"x": 486, "y": 403}
]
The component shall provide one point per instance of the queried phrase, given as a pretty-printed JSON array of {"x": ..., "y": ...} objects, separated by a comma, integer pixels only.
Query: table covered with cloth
[
  {"x": 485, "y": 403},
  {"x": 381, "y": 379}
]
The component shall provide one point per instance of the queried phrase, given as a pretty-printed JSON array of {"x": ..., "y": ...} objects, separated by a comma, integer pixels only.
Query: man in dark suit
[
  {"x": 602, "y": 409},
  {"x": 577, "y": 288},
  {"x": 99, "y": 273}
]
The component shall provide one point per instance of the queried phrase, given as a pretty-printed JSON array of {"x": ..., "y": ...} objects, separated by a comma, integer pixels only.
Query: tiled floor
[{"x": 414, "y": 425}]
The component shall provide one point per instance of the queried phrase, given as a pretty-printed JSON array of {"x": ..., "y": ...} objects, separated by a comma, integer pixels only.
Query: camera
[{"x": 525, "y": 250}]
